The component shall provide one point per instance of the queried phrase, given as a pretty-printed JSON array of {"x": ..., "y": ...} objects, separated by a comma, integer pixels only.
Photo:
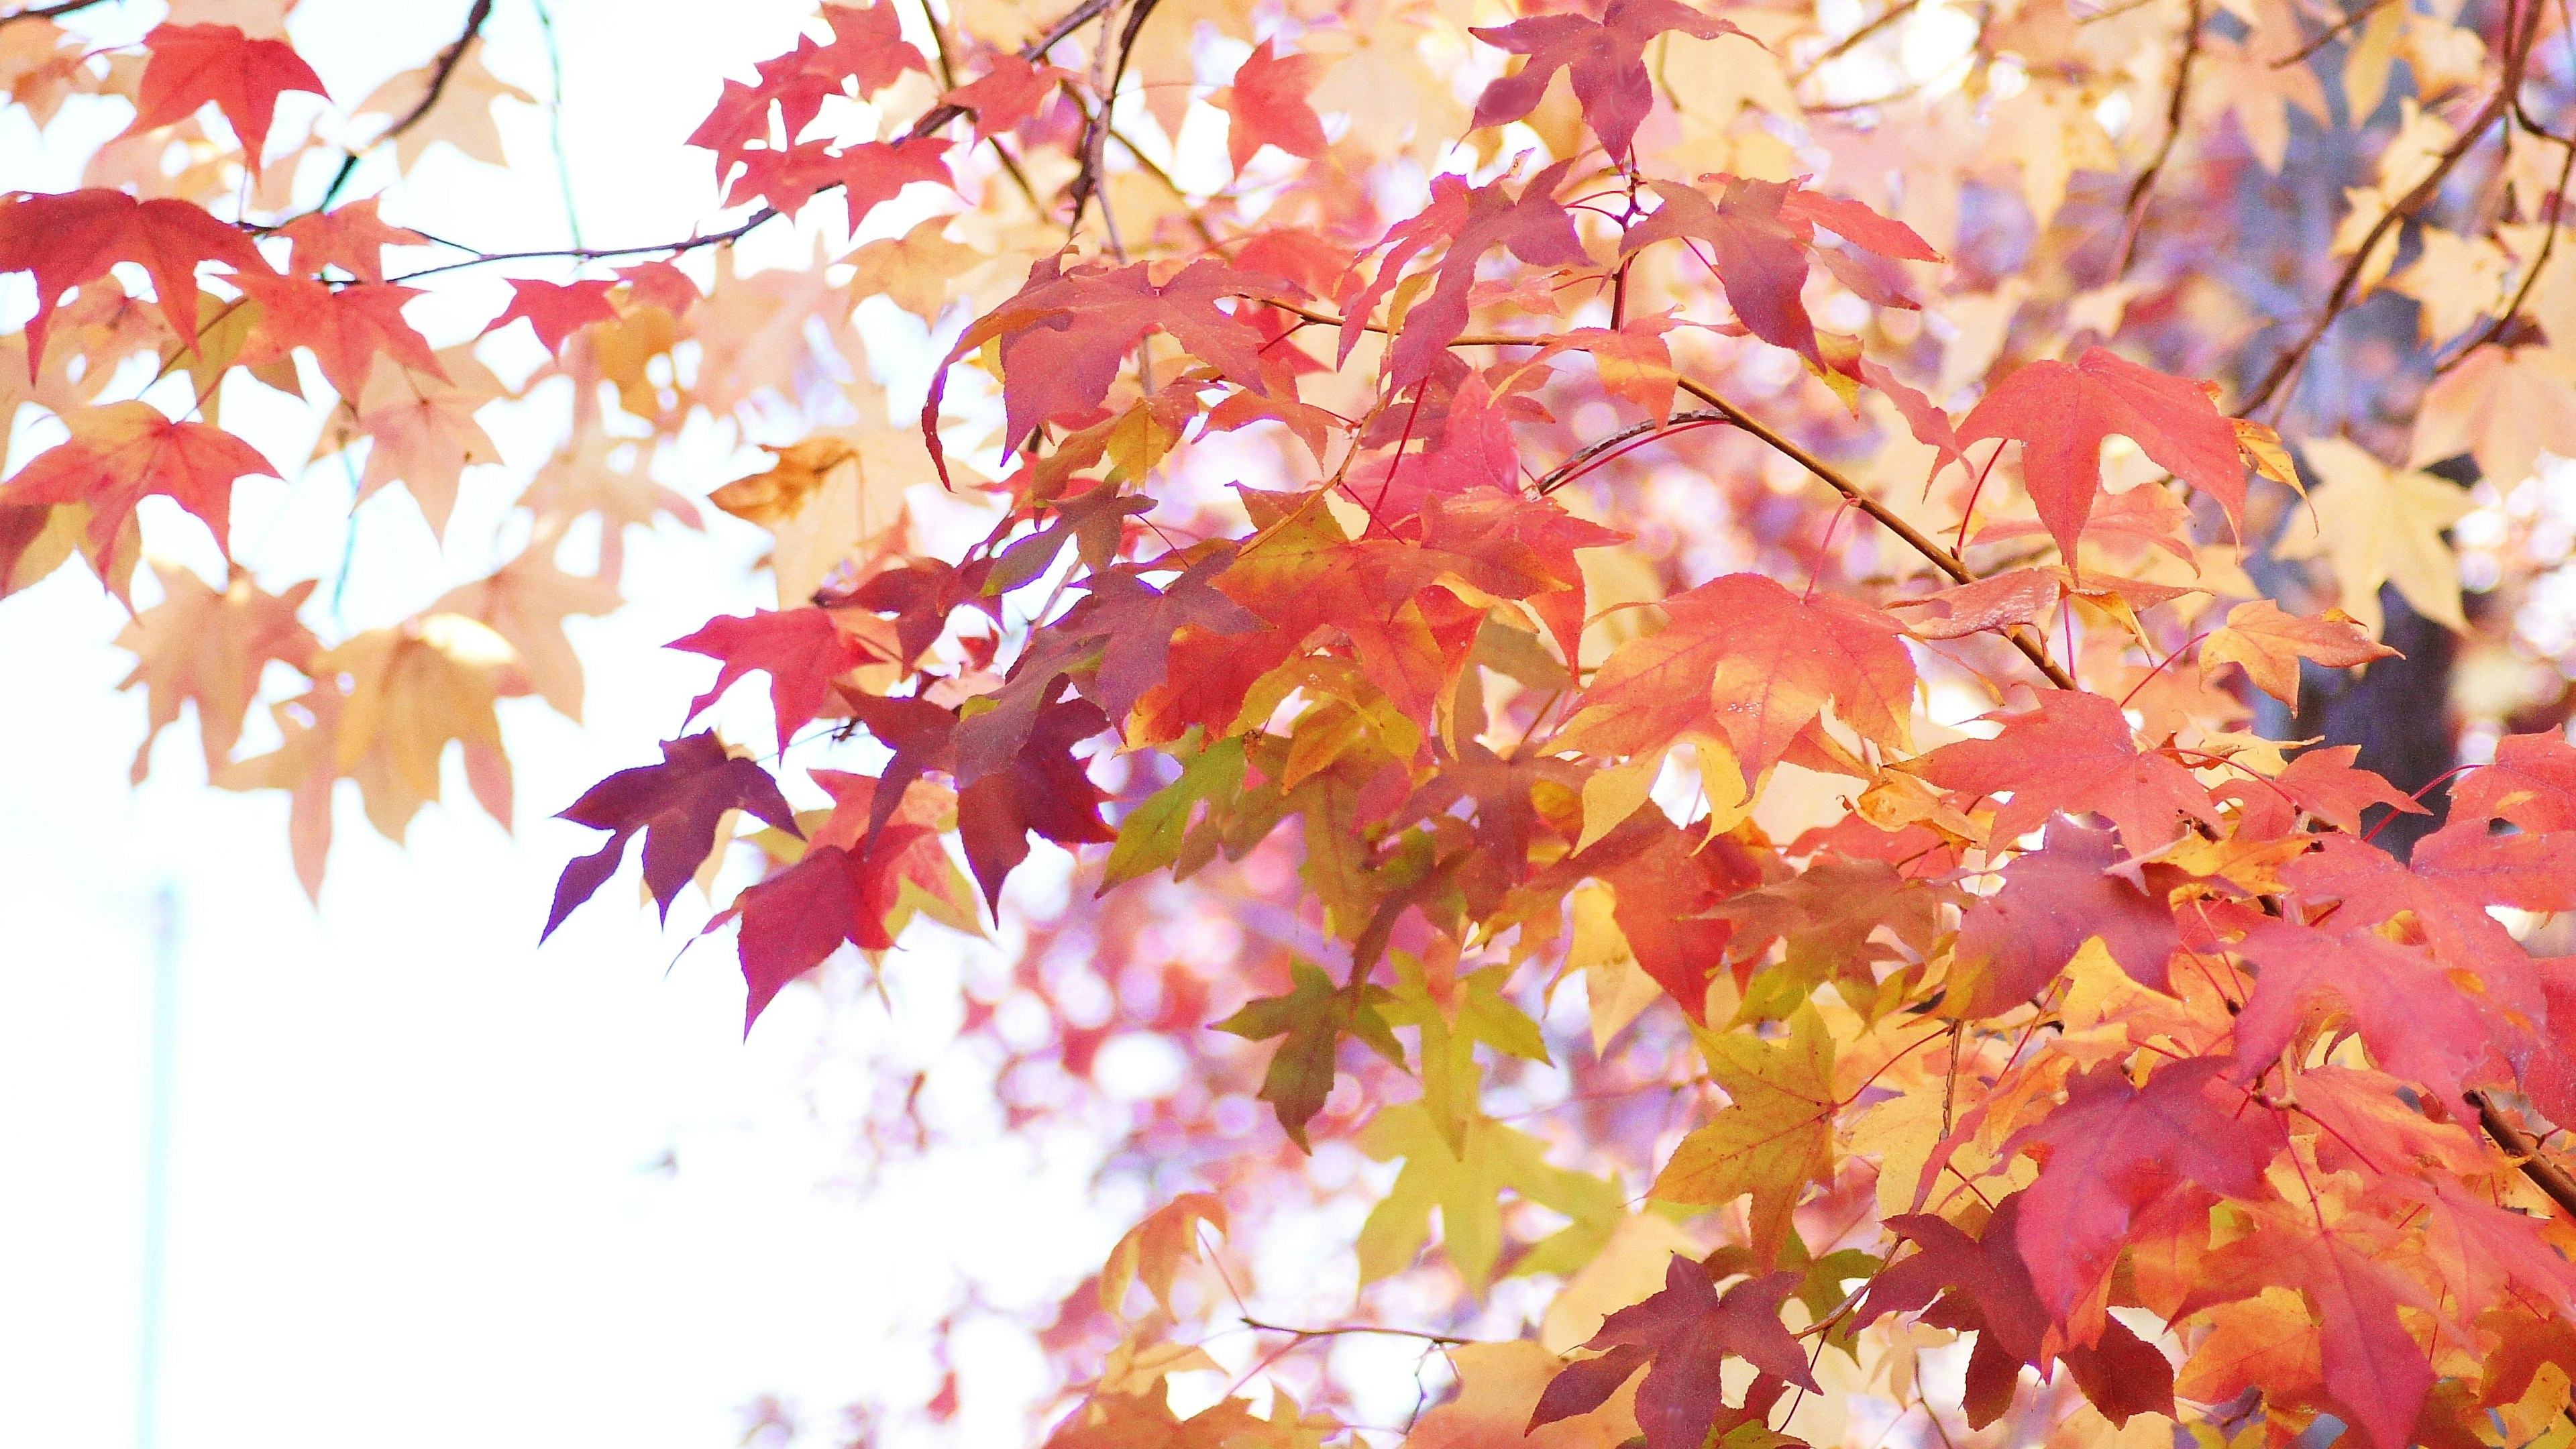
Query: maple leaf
[
  {"x": 2378, "y": 525},
  {"x": 122, "y": 453},
  {"x": 1266, "y": 103},
  {"x": 914, "y": 271},
  {"x": 1604, "y": 58},
  {"x": 1684, "y": 1335},
  {"x": 347, "y": 328},
  {"x": 193, "y": 65},
  {"x": 867, "y": 175},
  {"x": 1044, "y": 789},
  {"x": 677, "y": 805},
  {"x": 2504, "y": 406},
  {"x": 1745, "y": 660},
  {"x": 352, "y": 238},
  {"x": 1152, "y": 1251},
  {"x": 1155, "y": 833},
  {"x": 1499, "y": 1386},
  {"x": 867, "y": 52},
  {"x": 1009, "y": 95},
  {"x": 72, "y": 239},
  {"x": 2372, "y": 1367},
  {"x": 801, "y": 650},
  {"x": 556, "y": 310},
  {"x": 1067, "y": 332},
  {"x": 1533, "y": 225},
  {"x": 207, "y": 647},
  {"x": 1462, "y": 1168},
  {"x": 2325, "y": 783},
  {"x": 2111, "y": 1153},
  {"x": 2061, "y": 413},
  {"x": 1983, "y": 1284},
  {"x": 853, "y": 884},
  {"x": 525, "y": 602},
  {"x": 423, "y": 435},
  {"x": 1774, "y": 1135},
  {"x": 2074, "y": 753},
  {"x": 1312, "y": 1018},
  {"x": 2270, "y": 644},
  {"x": 1760, "y": 235},
  {"x": 2013, "y": 943}
]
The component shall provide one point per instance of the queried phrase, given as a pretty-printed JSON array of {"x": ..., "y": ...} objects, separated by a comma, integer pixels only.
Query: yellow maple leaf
[
  {"x": 1774, "y": 1135},
  {"x": 2375, "y": 525}
]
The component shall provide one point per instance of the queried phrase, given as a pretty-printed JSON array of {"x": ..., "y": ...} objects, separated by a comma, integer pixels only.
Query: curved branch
[
  {"x": 448, "y": 61},
  {"x": 2134, "y": 210},
  {"x": 2548, "y": 1176}
]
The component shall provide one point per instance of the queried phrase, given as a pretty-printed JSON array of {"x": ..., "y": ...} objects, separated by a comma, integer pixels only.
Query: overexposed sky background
[{"x": 433, "y": 1185}]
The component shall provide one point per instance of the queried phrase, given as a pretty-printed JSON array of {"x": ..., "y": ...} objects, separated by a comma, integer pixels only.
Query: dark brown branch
[
  {"x": 2548, "y": 1176},
  {"x": 1887, "y": 518},
  {"x": 448, "y": 60},
  {"x": 1095, "y": 134},
  {"x": 2350, "y": 19},
  {"x": 2134, "y": 210},
  {"x": 47, "y": 12},
  {"x": 1840, "y": 48},
  {"x": 2289, "y": 363},
  {"x": 1575, "y": 462}
]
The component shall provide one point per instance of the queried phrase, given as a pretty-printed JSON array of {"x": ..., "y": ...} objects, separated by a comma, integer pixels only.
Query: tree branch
[
  {"x": 448, "y": 60},
  {"x": 1438, "y": 1338},
  {"x": 2134, "y": 210},
  {"x": 2548, "y": 1176},
  {"x": 48, "y": 12}
]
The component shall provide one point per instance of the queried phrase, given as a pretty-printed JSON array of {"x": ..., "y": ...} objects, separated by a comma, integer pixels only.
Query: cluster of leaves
[{"x": 1422, "y": 543}]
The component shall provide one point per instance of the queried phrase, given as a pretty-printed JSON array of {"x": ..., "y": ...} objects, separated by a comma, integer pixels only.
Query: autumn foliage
[{"x": 1693, "y": 625}]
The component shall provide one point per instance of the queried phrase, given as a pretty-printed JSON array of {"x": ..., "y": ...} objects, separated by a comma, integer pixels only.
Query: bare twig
[
  {"x": 2351, "y": 18},
  {"x": 1304, "y": 1333},
  {"x": 1896, "y": 11},
  {"x": 554, "y": 118},
  {"x": 2134, "y": 210},
  {"x": 2548, "y": 1176},
  {"x": 47, "y": 12},
  {"x": 448, "y": 60}
]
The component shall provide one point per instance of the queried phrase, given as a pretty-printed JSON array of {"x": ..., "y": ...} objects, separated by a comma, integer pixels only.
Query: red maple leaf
[
  {"x": 801, "y": 650},
  {"x": 347, "y": 328},
  {"x": 1744, "y": 659},
  {"x": 2060, "y": 412},
  {"x": 556, "y": 310},
  {"x": 1066, "y": 334},
  {"x": 1533, "y": 225},
  {"x": 678, "y": 805},
  {"x": 847, "y": 886},
  {"x": 122, "y": 453},
  {"x": 1605, "y": 58},
  {"x": 1683, "y": 1335},
  {"x": 2073, "y": 753},
  {"x": 1044, "y": 789},
  {"x": 1008, "y": 96},
  {"x": 352, "y": 238},
  {"x": 868, "y": 51},
  {"x": 1760, "y": 237},
  {"x": 1983, "y": 1285},
  {"x": 1266, "y": 102},
  {"x": 191, "y": 65},
  {"x": 73, "y": 238},
  {"x": 869, "y": 174},
  {"x": 2111, "y": 1154},
  {"x": 2013, "y": 943}
]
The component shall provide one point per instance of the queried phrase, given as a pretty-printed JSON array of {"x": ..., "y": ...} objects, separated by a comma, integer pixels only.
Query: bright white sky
[{"x": 422, "y": 1182}]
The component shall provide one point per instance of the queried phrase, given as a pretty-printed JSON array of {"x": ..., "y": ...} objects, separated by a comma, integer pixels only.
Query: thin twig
[
  {"x": 448, "y": 61},
  {"x": 1302, "y": 1333},
  {"x": 554, "y": 118},
  {"x": 2350, "y": 19},
  {"x": 2289, "y": 363},
  {"x": 47, "y": 12},
  {"x": 1840, "y": 48},
  {"x": 2548, "y": 1176},
  {"x": 2134, "y": 210},
  {"x": 930, "y": 123}
]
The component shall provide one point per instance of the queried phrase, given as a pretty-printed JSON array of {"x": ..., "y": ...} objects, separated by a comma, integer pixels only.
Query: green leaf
[
  {"x": 1151, "y": 835},
  {"x": 1313, "y": 1017}
]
